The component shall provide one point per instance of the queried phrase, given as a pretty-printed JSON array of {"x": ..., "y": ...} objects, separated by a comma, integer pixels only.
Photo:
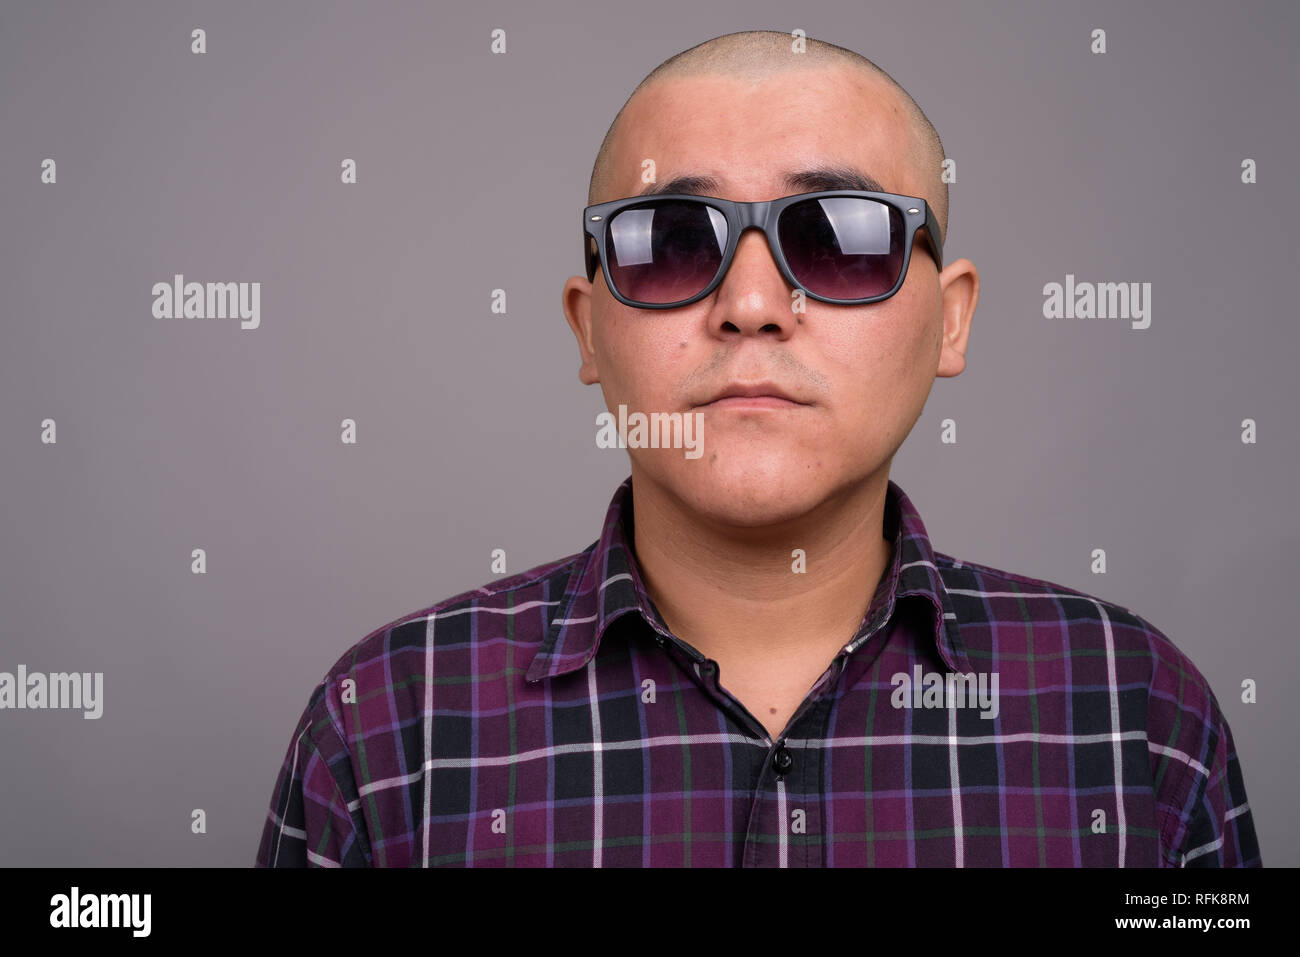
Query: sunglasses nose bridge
[{"x": 753, "y": 216}]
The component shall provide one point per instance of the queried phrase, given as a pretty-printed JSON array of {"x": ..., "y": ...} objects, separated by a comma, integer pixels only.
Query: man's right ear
[{"x": 575, "y": 300}]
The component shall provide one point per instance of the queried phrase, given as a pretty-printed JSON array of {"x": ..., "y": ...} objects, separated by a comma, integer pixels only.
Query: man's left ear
[{"x": 959, "y": 288}]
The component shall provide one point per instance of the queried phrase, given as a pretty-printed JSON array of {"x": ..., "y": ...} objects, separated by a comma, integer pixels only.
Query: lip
[
  {"x": 739, "y": 402},
  {"x": 759, "y": 395}
]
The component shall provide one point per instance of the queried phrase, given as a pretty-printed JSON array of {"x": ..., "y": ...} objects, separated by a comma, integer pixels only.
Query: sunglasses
[{"x": 847, "y": 247}]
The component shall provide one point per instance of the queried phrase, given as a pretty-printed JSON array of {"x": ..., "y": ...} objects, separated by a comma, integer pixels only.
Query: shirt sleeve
[
  {"x": 1204, "y": 817},
  {"x": 309, "y": 823},
  {"x": 1220, "y": 831}
]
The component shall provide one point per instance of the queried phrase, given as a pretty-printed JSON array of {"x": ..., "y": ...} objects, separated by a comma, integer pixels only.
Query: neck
[{"x": 733, "y": 592}]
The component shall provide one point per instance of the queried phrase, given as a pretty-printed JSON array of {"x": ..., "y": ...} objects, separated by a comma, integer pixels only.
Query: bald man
[{"x": 762, "y": 661}]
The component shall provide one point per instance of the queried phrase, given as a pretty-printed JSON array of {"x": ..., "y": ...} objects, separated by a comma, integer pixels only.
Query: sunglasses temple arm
[
  {"x": 589, "y": 255},
  {"x": 934, "y": 236}
]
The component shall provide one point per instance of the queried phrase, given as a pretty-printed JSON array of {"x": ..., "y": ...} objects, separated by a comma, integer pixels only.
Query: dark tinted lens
[
  {"x": 666, "y": 250},
  {"x": 843, "y": 247}
]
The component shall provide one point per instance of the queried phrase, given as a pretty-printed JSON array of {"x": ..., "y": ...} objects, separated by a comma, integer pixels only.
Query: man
[{"x": 762, "y": 661}]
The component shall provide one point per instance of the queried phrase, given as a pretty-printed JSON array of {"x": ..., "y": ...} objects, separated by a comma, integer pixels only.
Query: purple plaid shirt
[{"x": 551, "y": 719}]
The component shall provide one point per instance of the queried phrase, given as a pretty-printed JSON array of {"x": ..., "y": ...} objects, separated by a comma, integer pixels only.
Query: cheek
[
  {"x": 865, "y": 351},
  {"x": 879, "y": 361},
  {"x": 641, "y": 357}
]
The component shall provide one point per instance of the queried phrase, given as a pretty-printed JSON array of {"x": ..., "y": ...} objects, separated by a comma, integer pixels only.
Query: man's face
[{"x": 862, "y": 372}]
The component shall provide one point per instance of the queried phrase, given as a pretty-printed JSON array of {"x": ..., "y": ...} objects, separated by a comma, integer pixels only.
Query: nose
[{"x": 753, "y": 297}]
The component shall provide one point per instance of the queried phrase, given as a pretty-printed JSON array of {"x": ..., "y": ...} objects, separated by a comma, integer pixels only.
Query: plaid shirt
[{"x": 551, "y": 719}]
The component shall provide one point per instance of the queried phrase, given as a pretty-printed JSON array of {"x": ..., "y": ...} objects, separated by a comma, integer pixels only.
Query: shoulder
[
  {"x": 1058, "y": 619},
  {"x": 384, "y": 676},
  {"x": 1116, "y": 666},
  {"x": 524, "y": 597}
]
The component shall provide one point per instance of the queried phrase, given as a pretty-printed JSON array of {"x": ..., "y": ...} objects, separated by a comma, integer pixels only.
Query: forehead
[{"x": 747, "y": 133}]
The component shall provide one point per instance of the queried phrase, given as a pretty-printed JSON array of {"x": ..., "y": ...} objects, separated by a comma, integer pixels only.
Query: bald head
[{"x": 759, "y": 54}]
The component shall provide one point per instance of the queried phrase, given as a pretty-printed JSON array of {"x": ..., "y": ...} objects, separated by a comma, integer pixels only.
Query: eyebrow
[{"x": 801, "y": 181}]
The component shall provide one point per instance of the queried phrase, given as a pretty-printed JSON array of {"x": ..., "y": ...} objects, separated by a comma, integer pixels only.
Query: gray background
[{"x": 474, "y": 432}]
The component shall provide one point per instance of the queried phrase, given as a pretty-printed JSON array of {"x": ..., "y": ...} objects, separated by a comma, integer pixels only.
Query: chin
[{"x": 753, "y": 495}]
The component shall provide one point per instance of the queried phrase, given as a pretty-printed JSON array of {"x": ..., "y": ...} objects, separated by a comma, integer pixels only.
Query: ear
[
  {"x": 575, "y": 300},
  {"x": 959, "y": 285}
]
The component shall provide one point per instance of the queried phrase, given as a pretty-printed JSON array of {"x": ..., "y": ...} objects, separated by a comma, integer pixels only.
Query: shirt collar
[{"x": 606, "y": 584}]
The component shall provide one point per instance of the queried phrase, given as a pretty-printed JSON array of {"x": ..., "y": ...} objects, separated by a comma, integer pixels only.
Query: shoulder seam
[
  {"x": 1215, "y": 716},
  {"x": 360, "y": 833},
  {"x": 1200, "y": 788}
]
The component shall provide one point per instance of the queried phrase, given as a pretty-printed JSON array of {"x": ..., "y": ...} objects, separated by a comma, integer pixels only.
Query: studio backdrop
[{"x": 201, "y": 513}]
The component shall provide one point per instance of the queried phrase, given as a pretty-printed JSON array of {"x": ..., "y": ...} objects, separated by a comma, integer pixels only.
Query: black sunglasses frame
[{"x": 764, "y": 215}]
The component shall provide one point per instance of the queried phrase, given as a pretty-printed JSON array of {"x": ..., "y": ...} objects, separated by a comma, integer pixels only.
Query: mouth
[{"x": 760, "y": 395}]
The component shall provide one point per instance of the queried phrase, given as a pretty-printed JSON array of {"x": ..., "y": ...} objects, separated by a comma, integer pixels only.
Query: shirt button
[{"x": 783, "y": 760}]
